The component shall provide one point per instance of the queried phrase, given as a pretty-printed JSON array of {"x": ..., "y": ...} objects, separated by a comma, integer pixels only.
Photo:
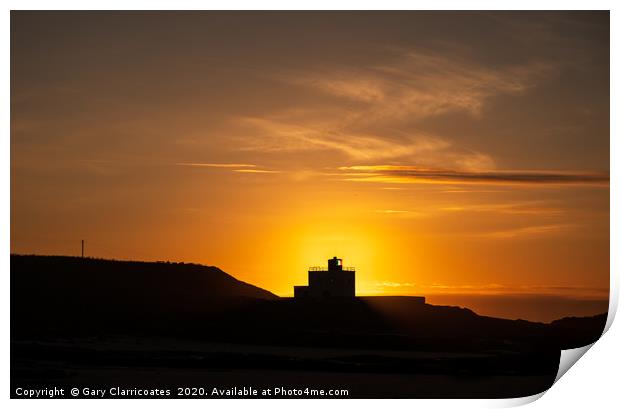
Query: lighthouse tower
[{"x": 335, "y": 281}]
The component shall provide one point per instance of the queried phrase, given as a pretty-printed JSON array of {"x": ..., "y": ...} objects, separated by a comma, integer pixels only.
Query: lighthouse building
[{"x": 335, "y": 281}]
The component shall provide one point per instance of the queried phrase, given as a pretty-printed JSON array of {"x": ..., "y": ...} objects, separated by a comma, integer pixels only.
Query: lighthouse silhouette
[{"x": 335, "y": 281}]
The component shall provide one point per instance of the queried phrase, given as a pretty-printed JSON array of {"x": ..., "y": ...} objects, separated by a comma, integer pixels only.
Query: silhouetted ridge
[
  {"x": 161, "y": 276},
  {"x": 116, "y": 292}
]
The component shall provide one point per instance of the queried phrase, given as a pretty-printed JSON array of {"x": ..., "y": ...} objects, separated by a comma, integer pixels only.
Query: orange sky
[{"x": 437, "y": 152}]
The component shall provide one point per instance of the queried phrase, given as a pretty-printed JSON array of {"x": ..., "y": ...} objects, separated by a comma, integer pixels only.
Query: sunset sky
[{"x": 437, "y": 152}]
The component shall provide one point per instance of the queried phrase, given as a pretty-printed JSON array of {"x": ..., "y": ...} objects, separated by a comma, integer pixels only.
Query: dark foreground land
[{"x": 100, "y": 324}]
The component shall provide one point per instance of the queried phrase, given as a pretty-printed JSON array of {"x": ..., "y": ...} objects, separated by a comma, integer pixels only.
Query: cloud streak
[
  {"x": 401, "y": 213},
  {"x": 416, "y": 174},
  {"x": 255, "y": 171},
  {"x": 216, "y": 165},
  {"x": 279, "y": 136},
  {"x": 508, "y": 208},
  {"x": 493, "y": 289},
  {"x": 233, "y": 167},
  {"x": 276, "y": 136},
  {"x": 529, "y": 231}
]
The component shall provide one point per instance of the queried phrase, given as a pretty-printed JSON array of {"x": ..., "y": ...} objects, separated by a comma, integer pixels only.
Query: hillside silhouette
[
  {"x": 57, "y": 291},
  {"x": 185, "y": 321}
]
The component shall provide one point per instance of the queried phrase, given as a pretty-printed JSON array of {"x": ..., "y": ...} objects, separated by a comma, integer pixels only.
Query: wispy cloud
[
  {"x": 488, "y": 289},
  {"x": 276, "y": 135},
  {"x": 418, "y": 84},
  {"x": 416, "y": 174},
  {"x": 395, "y": 284},
  {"x": 511, "y": 208},
  {"x": 383, "y": 99},
  {"x": 402, "y": 213},
  {"x": 529, "y": 231},
  {"x": 233, "y": 167},
  {"x": 519, "y": 208},
  {"x": 255, "y": 171},
  {"x": 216, "y": 165}
]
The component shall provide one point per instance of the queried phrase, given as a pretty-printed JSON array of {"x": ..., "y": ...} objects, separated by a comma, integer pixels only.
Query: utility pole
[{"x": 82, "y": 248}]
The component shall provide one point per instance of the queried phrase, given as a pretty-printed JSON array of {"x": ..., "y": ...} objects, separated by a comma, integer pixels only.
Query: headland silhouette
[{"x": 90, "y": 321}]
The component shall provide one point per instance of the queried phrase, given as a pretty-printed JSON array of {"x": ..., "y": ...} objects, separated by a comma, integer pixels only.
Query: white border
[{"x": 592, "y": 383}]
